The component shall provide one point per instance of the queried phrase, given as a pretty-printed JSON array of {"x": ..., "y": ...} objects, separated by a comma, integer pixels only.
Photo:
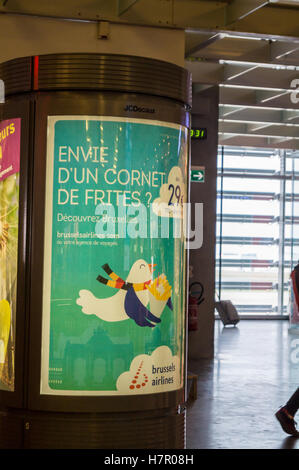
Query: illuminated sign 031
[{"x": 199, "y": 133}]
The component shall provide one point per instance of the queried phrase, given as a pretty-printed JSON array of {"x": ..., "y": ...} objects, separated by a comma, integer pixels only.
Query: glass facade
[{"x": 257, "y": 228}]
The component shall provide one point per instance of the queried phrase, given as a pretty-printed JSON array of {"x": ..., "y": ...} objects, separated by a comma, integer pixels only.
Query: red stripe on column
[{"x": 35, "y": 72}]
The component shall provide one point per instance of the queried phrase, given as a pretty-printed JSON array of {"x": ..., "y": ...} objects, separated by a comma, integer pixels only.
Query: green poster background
[{"x": 92, "y": 162}]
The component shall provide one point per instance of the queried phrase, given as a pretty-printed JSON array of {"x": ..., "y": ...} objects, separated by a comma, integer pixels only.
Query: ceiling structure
[
  {"x": 257, "y": 72},
  {"x": 250, "y": 48}
]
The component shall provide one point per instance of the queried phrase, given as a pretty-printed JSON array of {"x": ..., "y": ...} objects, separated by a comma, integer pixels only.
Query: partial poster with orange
[{"x": 10, "y": 131}]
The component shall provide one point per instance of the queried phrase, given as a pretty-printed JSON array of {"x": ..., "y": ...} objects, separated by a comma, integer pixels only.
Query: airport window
[{"x": 257, "y": 228}]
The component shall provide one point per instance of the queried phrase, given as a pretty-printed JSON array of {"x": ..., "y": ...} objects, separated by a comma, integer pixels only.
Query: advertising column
[
  {"x": 114, "y": 262},
  {"x": 9, "y": 212}
]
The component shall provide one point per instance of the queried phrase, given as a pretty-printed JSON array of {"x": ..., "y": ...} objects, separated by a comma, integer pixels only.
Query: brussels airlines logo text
[{"x": 138, "y": 109}]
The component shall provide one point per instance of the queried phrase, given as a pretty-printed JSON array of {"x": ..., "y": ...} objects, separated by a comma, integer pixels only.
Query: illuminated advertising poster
[
  {"x": 10, "y": 131},
  {"x": 114, "y": 256}
]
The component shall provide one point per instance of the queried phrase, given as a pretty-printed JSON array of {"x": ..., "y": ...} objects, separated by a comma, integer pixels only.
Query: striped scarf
[{"x": 118, "y": 282}]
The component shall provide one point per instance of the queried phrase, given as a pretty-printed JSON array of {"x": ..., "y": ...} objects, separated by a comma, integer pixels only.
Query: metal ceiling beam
[
  {"x": 223, "y": 137},
  {"x": 273, "y": 19},
  {"x": 125, "y": 5},
  {"x": 258, "y": 116},
  {"x": 254, "y": 128},
  {"x": 248, "y": 16},
  {"x": 247, "y": 98},
  {"x": 265, "y": 23},
  {"x": 161, "y": 13},
  {"x": 204, "y": 44},
  {"x": 264, "y": 96},
  {"x": 236, "y": 128},
  {"x": 281, "y": 49},
  {"x": 235, "y": 71},
  {"x": 245, "y": 76},
  {"x": 280, "y": 140},
  {"x": 250, "y": 35},
  {"x": 237, "y": 10},
  {"x": 257, "y": 141},
  {"x": 289, "y": 116},
  {"x": 226, "y": 111},
  {"x": 241, "y": 51}
]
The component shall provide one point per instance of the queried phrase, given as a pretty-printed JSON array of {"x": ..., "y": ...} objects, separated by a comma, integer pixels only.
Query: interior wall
[
  {"x": 22, "y": 36},
  {"x": 202, "y": 260}
]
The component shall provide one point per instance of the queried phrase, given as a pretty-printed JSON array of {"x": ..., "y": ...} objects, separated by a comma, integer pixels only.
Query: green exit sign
[{"x": 198, "y": 175}]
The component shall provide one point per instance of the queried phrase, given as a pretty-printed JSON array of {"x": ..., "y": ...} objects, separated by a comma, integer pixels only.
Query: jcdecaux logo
[{"x": 138, "y": 109}]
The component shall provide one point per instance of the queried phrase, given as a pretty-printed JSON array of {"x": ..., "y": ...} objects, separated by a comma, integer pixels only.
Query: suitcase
[{"x": 227, "y": 312}]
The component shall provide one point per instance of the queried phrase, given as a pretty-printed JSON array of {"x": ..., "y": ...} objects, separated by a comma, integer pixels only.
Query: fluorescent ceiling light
[
  {"x": 236, "y": 36},
  {"x": 296, "y": 2},
  {"x": 259, "y": 135},
  {"x": 274, "y": 97},
  {"x": 251, "y": 149},
  {"x": 268, "y": 108},
  {"x": 260, "y": 65},
  {"x": 230, "y": 35},
  {"x": 262, "y": 123},
  {"x": 225, "y": 85}
]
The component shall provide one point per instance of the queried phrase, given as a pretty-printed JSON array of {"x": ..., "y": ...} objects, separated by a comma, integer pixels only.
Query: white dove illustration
[{"x": 134, "y": 295}]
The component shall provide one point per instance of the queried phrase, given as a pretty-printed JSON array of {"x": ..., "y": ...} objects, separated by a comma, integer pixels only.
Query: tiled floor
[{"x": 255, "y": 370}]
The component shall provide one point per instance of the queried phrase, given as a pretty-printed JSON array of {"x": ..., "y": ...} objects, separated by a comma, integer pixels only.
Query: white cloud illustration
[
  {"x": 172, "y": 195},
  {"x": 157, "y": 373}
]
